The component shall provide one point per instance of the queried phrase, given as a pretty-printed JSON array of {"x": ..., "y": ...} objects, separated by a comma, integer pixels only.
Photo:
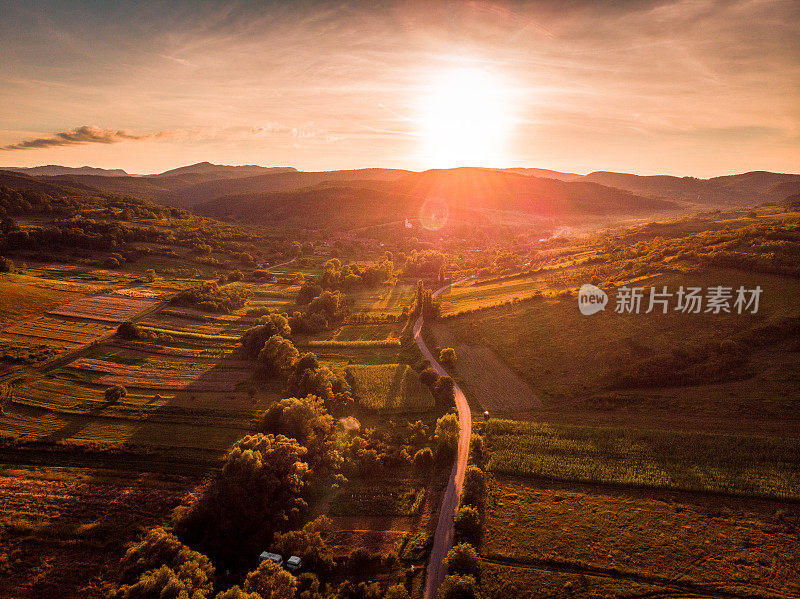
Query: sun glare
[{"x": 465, "y": 119}]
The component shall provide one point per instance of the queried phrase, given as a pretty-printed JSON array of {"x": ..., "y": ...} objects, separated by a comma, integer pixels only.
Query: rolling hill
[
  {"x": 464, "y": 195},
  {"x": 53, "y": 169},
  {"x": 744, "y": 189}
]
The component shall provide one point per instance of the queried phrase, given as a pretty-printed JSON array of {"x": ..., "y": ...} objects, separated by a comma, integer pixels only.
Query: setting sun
[{"x": 465, "y": 119}]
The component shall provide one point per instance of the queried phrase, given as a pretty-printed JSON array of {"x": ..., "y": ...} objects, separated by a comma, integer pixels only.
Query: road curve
[{"x": 443, "y": 539}]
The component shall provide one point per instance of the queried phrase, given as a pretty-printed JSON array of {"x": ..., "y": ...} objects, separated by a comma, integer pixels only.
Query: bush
[
  {"x": 446, "y": 435},
  {"x": 444, "y": 392},
  {"x": 271, "y": 581},
  {"x": 423, "y": 460},
  {"x": 474, "y": 489},
  {"x": 468, "y": 524},
  {"x": 6, "y": 264},
  {"x": 448, "y": 357},
  {"x": 278, "y": 356},
  {"x": 397, "y": 591},
  {"x": 429, "y": 377},
  {"x": 459, "y": 587},
  {"x": 255, "y": 337},
  {"x": 129, "y": 330},
  {"x": 359, "y": 559},
  {"x": 115, "y": 393},
  {"x": 463, "y": 559}
]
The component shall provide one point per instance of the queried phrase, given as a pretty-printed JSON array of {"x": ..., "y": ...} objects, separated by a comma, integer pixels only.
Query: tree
[
  {"x": 255, "y": 337},
  {"x": 6, "y": 264},
  {"x": 468, "y": 524},
  {"x": 463, "y": 559},
  {"x": 397, "y": 591},
  {"x": 308, "y": 543},
  {"x": 446, "y": 435},
  {"x": 429, "y": 377},
  {"x": 278, "y": 355},
  {"x": 115, "y": 393},
  {"x": 306, "y": 420},
  {"x": 423, "y": 460},
  {"x": 359, "y": 559},
  {"x": 235, "y": 592},
  {"x": 459, "y": 587},
  {"x": 163, "y": 583},
  {"x": 162, "y": 548},
  {"x": 448, "y": 357},
  {"x": 444, "y": 392},
  {"x": 128, "y": 330},
  {"x": 308, "y": 291},
  {"x": 311, "y": 378},
  {"x": 271, "y": 581},
  {"x": 257, "y": 492},
  {"x": 474, "y": 488}
]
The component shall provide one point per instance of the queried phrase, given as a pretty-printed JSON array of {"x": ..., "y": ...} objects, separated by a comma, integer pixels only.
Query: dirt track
[{"x": 443, "y": 539}]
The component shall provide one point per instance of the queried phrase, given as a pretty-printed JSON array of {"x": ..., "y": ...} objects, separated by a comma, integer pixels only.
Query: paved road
[{"x": 443, "y": 539}]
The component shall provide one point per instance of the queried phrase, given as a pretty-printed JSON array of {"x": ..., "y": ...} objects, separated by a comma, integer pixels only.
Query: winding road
[{"x": 443, "y": 539}]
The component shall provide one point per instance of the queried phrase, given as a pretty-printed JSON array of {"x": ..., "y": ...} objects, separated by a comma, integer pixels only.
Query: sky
[{"x": 694, "y": 87}]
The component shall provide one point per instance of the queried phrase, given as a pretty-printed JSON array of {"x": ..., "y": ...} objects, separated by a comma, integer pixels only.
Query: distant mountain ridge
[
  {"x": 51, "y": 170},
  {"x": 204, "y": 183},
  {"x": 221, "y": 170},
  {"x": 745, "y": 188}
]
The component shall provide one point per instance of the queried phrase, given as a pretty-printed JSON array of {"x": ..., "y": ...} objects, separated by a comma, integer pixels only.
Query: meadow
[
  {"x": 692, "y": 461},
  {"x": 393, "y": 387},
  {"x": 552, "y": 539}
]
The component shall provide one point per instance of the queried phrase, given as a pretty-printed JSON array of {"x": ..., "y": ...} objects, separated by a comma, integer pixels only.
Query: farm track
[
  {"x": 445, "y": 529},
  {"x": 693, "y": 589}
]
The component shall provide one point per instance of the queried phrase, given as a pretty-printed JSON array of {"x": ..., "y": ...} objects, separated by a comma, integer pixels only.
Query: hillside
[
  {"x": 224, "y": 171},
  {"x": 744, "y": 189},
  {"x": 53, "y": 169},
  {"x": 476, "y": 196}
]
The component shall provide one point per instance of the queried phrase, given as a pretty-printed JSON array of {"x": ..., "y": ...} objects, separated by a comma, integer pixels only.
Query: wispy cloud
[{"x": 87, "y": 134}]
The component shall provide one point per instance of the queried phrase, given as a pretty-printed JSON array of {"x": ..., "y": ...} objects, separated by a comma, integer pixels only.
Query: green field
[
  {"x": 692, "y": 461},
  {"x": 393, "y": 387}
]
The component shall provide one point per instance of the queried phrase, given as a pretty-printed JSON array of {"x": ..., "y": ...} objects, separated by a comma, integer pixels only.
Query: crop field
[
  {"x": 722, "y": 463},
  {"x": 471, "y": 295},
  {"x": 59, "y": 331},
  {"x": 544, "y": 539},
  {"x": 379, "y": 331},
  {"x": 168, "y": 320},
  {"x": 23, "y": 296},
  {"x": 164, "y": 375},
  {"x": 393, "y": 387},
  {"x": 115, "y": 307},
  {"x": 382, "y": 300},
  {"x": 64, "y": 529}
]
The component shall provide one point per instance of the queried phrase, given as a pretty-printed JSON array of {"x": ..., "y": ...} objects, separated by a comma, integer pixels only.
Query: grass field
[
  {"x": 22, "y": 295},
  {"x": 562, "y": 352},
  {"x": 724, "y": 463},
  {"x": 393, "y": 387},
  {"x": 381, "y": 300},
  {"x": 545, "y": 539},
  {"x": 379, "y": 498},
  {"x": 64, "y": 529}
]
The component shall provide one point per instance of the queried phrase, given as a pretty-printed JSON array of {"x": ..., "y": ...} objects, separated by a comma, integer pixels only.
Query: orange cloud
[{"x": 87, "y": 134}]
